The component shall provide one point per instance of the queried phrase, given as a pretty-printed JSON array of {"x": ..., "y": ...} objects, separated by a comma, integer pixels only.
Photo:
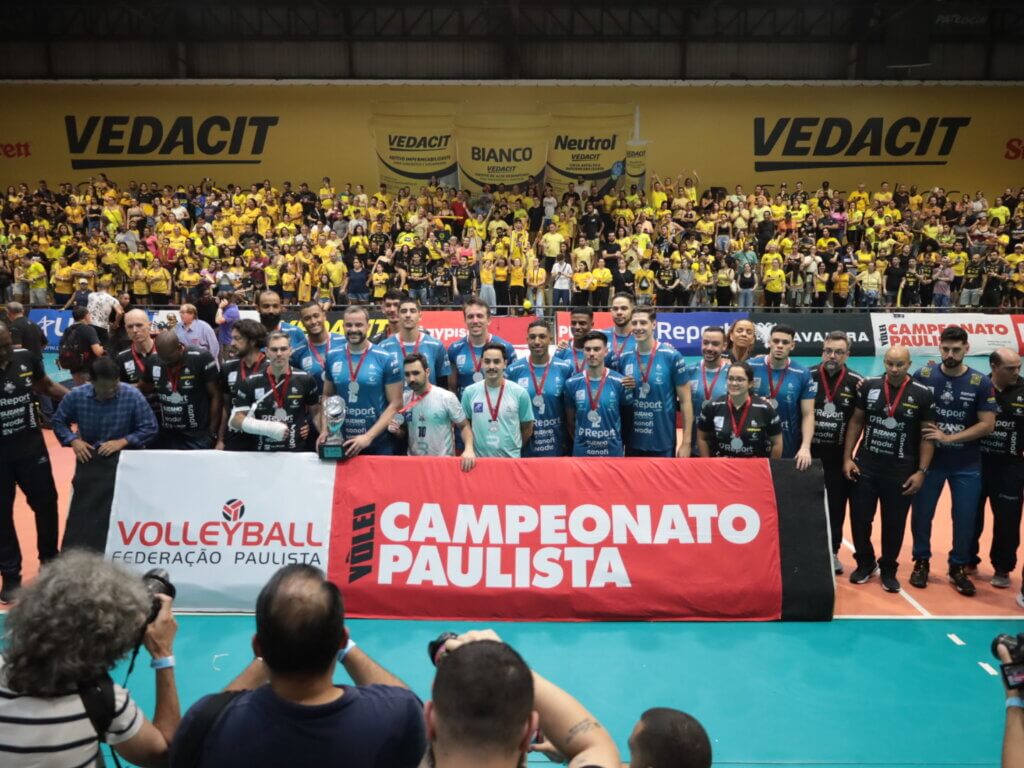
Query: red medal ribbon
[
  {"x": 774, "y": 391},
  {"x": 539, "y": 387},
  {"x": 579, "y": 366},
  {"x": 173, "y": 374},
  {"x": 650, "y": 361},
  {"x": 319, "y": 358},
  {"x": 890, "y": 406},
  {"x": 618, "y": 350},
  {"x": 830, "y": 396},
  {"x": 279, "y": 396},
  {"x": 241, "y": 366},
  {"x": 594, "y": 401},
  {"x": 472, "y": 353},
  {"x": 138, "y": 360},
  {"x": 416, "y": 399},
  {"x": 495, "y": 408},
  {"x": 737, "y": 428},
  {"x": 354, "y": 374},
  {"x": 704, "y": 378},
  {"x": 416, "y": 347}
]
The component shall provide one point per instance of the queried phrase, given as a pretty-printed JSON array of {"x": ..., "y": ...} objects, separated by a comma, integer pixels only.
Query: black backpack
[{"x": 70, "y": 356}]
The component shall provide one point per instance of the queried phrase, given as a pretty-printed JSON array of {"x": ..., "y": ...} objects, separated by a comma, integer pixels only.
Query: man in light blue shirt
[{"x": 500, "y": 411}]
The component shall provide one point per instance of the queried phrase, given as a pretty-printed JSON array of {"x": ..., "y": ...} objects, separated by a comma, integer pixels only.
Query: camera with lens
[
  {"x": 1013, "y": 670},
  {"x": 157, "y": 582}
]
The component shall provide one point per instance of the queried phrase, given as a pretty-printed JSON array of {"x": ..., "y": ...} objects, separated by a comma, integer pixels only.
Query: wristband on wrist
[
  {"x": 165, "y": 662},
  {"x": 1015, "y": 702},
  {"x": 344, "y": 651}
]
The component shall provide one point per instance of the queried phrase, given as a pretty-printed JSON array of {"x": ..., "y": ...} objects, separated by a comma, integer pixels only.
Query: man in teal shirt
[{"x": 500, "y": 411}]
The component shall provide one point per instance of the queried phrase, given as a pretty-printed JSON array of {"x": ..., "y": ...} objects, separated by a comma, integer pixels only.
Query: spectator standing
[
  {"x": 193, "y": 332},
  {"x": 110, "y": 416}
]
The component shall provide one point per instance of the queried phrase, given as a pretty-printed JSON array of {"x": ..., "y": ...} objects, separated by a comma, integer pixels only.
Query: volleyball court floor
[{"x": 897, "y": 680}]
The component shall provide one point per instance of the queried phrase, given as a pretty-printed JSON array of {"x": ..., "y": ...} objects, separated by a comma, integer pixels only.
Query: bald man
[
  {"x": 1002, "y": 469},
  {"x": 185, "y": 382},
  {"x": 137, "y": 359},
  {"x": 893, "y": 412}
]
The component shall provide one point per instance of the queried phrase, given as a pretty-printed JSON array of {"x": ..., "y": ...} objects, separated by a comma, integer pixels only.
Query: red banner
[{"x": 557, "y": 539}]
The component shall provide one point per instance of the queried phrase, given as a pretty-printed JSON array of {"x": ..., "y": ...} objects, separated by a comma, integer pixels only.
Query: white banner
[
  {"x": 920, "y": 331},
  {"x": 220, "y": 523}
]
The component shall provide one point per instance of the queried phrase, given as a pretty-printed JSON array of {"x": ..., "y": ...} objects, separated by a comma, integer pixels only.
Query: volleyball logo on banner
[
  {"x": 920, "y": 332},
  {"x": 233, "y": 510}
]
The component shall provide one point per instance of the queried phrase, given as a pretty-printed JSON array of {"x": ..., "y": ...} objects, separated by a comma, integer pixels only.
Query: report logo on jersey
[{"x": 233, "y": 510}]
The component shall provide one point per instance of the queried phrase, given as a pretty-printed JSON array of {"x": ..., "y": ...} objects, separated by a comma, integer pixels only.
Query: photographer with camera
[
  {"x": 488, "y": 705},
  {"x": 284, "y": 708},
  {"x": 1010, "y": 651},
  {"x": 70, "y": 627}
]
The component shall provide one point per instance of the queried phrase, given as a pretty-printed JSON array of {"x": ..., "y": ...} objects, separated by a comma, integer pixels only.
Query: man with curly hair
[{"x": 67, "y": 631}]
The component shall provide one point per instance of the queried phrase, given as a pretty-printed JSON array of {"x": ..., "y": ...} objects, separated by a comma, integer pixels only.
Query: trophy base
[{"x": 331, "y": 451}]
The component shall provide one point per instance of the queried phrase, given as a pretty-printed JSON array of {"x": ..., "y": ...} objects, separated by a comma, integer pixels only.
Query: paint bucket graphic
[
  {"x": 587, "y": 142},
  {"x": 496, "y": 148},
  {"x": 415, "y": 141}
]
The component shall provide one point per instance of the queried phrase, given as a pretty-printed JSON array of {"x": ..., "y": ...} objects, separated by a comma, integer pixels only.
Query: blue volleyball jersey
[
  {"x": 620, "y": 346},
  {"x": 368, "y": 400},
  {"x": 653, "y": 425},
  {"x": 577, "y": 360},
  {"x": 792, "y": 386},
  {"x": 429, "y": 347},
  {"x": 958, "y": 400},
  {"x": 549, "y": 434},
  {"x": 600, "y": 435},
  {"x": 468, "y": 367},
  {"x": 312, "y": 358}
]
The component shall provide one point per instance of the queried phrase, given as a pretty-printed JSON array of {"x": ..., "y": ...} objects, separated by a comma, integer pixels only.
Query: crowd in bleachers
[{"x": 673, "y": 244}]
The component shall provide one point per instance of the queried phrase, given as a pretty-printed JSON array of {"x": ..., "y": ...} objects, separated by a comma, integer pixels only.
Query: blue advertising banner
[
  {"x": 683, "y": 329},
  {"x": 53, "y": 322}
]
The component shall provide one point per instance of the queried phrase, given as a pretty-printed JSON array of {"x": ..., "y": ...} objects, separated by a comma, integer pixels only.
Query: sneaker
[
  {"x": 890, "y": 583},
  {"x": 837, "y": 566},
  {"x": 9, "y": 591},
  {"x": 919, "y": 577},
  {"x": 1000, "y": 580},
  {"x": 863, "y": 573},
  {"x": 958, "y": 578}
]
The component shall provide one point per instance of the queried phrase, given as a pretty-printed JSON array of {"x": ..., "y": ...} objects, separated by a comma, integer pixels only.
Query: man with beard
[
  {"x": 371, "y": 383},
  {"x": 185, "y": 382},
  {"x": 620, "y": 335},
  {"x": 247, "y": 359},
  {"x": 312, "y": 356},
  {"x": 278, "y": 405},
  {"x": 544, "y": 381},
  {"x": 965, "y": 412},
  {"x": 708, "y": 377},
  {"x": 269, "y": 305},
  {"x": 833, "y": 407}
]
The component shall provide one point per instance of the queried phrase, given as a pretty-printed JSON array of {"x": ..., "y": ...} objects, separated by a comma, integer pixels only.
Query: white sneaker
[{"x": 837, "y": 566}]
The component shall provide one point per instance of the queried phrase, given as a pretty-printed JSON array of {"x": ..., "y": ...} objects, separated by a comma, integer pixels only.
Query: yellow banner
[{"x": 961, "y": 137}]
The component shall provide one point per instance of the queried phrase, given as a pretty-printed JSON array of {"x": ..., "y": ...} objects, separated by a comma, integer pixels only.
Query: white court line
[
  {"x": 988, "y": 668},
  {"x": 879, "y": 616},
  {"x": 902, "y": 593},
  {"x": 955, "y": 640}
]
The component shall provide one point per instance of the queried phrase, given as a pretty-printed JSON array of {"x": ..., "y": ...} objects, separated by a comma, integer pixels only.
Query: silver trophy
[{"x": 333, "y": 446}]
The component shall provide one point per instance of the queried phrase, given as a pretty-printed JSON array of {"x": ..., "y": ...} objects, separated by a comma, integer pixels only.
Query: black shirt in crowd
[
  {"x": 19, "y": 408},
  {"x": 28, "y": 335},
  {"x": 756, "y": 428},
  {"x": 285, "y": 400},
  {"x": 830, "y": 421},
  {"x": 181, "y": 391},
  {"x": 1004, "y": 445},
  {"x": 891, "y": 444}
]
